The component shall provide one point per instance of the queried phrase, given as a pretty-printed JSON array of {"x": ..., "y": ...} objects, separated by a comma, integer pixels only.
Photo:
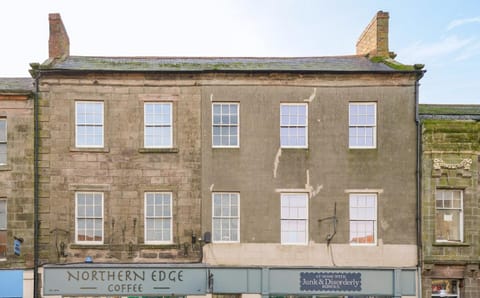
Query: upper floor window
[
  {"x": 158, "y": 125},
  {"x": 3, "y": 141},
  {"x": 225, "y": 124},
  {"x": 362, "y": 125},
  {"x": 293, "y": 125},
  {"x": 363, "y": 218},
  {"x": 3, "y": 228},
  {"x": 89, "y": 217},
  {"x": 294, "y": 218},
  {"x": 449, "y": 215},
  {"x": 89, "y": 124},
  {"x": 226, "y": 217},
  {"x": 158, "y": 217}
]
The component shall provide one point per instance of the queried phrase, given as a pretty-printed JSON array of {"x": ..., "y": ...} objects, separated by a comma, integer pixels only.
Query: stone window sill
[
  {"x": 109, "y": 246},
  {"x": 89, "y": 246},
  {"x": 98, "y": 150},
  {"x": 461, "y": 244},
  {"x": 158, "y": 150},
  {"x": 5, "y": 168}
]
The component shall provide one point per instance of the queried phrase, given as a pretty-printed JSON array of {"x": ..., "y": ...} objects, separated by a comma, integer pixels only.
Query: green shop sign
[
  {"x": 125, "y": 281},
  {"x": 137, "y": 280}
]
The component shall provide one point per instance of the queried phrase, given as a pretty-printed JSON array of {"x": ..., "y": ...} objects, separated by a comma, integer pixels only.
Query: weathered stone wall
[
  {"x": 260, "y": 170},
  {"x": 123, "y": 170},
  {"x": 16, "y": 179},
  {"x": 451, "y": 153}
]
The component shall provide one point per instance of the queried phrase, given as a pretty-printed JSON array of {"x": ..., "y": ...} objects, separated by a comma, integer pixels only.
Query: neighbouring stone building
[
  {"x": 450, "y": 200},
  {"x": 228, "y": 176},
  {"x": 119, "y": 160},
  {"x": 16, "y": 187}
]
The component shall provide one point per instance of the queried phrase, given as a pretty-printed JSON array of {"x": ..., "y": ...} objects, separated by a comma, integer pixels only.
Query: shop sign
[
  {"x": 127, "y": 281},
  {"x": 331, "y": 281}
]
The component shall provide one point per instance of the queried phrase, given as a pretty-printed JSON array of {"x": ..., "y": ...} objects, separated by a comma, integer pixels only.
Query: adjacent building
[
  {"x": 119, "y": 164},
  {"x": 309, "y": 172},
  {"x": 450, "y": 200},
  {"x": 16, "y": 187}
]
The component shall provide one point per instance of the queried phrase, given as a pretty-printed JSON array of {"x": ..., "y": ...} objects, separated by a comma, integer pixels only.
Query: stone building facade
[
  {"x": 16, "y": 187},
  {"x": 228, "y": 176},
  {"x": 450, "y": 200},
  {"x": 283, "y": 189},
  {"x": 119, "y": 164}
]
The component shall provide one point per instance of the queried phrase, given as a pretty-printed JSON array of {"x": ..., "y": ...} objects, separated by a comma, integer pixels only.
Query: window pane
[
  {"x": 3, "y": 214},
  {"x": 448, "y": 225},
  {"x": 293, "y": 125},
  {"x": 225, "y": 124},
  {"x": 294, "y": 217},
  {"x": 3, "y": 130},
  {"x": 158, "y": 125},
  {"x": 225, "y": 216},
  {"x": 362, "y": 124},
  {"x": 158, "y": 217},
  {"x": 362, "y": 218},
  {"x": 89, "y": 217},
  {"x": 449, "y": 215}
]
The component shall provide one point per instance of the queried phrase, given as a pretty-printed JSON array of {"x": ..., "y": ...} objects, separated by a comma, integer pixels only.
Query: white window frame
[
  {"x": 227, "y": 218},
  {"x": 358, "y": 216},
  {"x": 161, "y": 217},
  {"x": 88, "y": 124},
  {"x": 228, "y": 125},
  {"x": 3, "y": 226},
  {"x": 292, "y": 214},
  {"x": 288, "y": 125},
  {"x": 357, "y": 126},
  {"x": 3, "y": 143},
  {"x": 158, "y": 123},
  {"x": 93, "y": 217},
  {"x": 458, "y": 209}
]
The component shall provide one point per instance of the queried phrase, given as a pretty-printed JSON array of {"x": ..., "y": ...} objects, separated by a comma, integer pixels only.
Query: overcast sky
[{"x": 443, "y": 35}]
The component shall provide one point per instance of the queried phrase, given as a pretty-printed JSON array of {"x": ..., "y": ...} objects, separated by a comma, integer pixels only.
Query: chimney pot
[{"x": 58, "y": 42}]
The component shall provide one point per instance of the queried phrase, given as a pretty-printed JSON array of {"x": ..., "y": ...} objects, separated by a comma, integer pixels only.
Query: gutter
[
  {"x": 36, "y": 223},
  {"x": 213, "y": 70},
  {"x": 418, "y": 189}
]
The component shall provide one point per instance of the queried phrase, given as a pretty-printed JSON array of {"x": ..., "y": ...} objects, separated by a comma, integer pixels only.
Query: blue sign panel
[
  {"x": 16, "y": 246},
  {"x": 331, "y": 281},
  {"x": 11, "y": 283}
]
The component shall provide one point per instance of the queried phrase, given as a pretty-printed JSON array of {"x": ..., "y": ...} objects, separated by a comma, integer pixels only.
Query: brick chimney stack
[
  {"x": 374, "y": 39},
  {"x": 58, "y": 43}
]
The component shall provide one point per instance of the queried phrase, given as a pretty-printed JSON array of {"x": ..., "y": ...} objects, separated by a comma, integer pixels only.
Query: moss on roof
[
  {"x": 449, "y": 112},
  {"x": 448, "y": 109},
  {"x": 16, "y": 85},
  {"x": 200, "y": 64}
]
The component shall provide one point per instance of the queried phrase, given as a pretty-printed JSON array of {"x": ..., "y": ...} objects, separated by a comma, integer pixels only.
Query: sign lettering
[{"x": 331, "y": 281}]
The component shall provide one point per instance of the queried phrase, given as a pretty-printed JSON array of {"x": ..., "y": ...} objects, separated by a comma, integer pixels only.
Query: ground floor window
[
  {"x": 445, "y": 288},
  {"x": 3, "y": 229}
]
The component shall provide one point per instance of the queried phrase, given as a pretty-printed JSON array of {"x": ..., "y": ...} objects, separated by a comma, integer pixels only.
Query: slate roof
[
  {"x": 16, "y": 85},
  {"x": 223, "y": 64},
  {"x": 449, "y": 111}
]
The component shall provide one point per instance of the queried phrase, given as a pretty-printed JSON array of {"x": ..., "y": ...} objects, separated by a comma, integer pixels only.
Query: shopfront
[
  {"x": 138, "y": 280},
  {"x": 452, "y": 281}
]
